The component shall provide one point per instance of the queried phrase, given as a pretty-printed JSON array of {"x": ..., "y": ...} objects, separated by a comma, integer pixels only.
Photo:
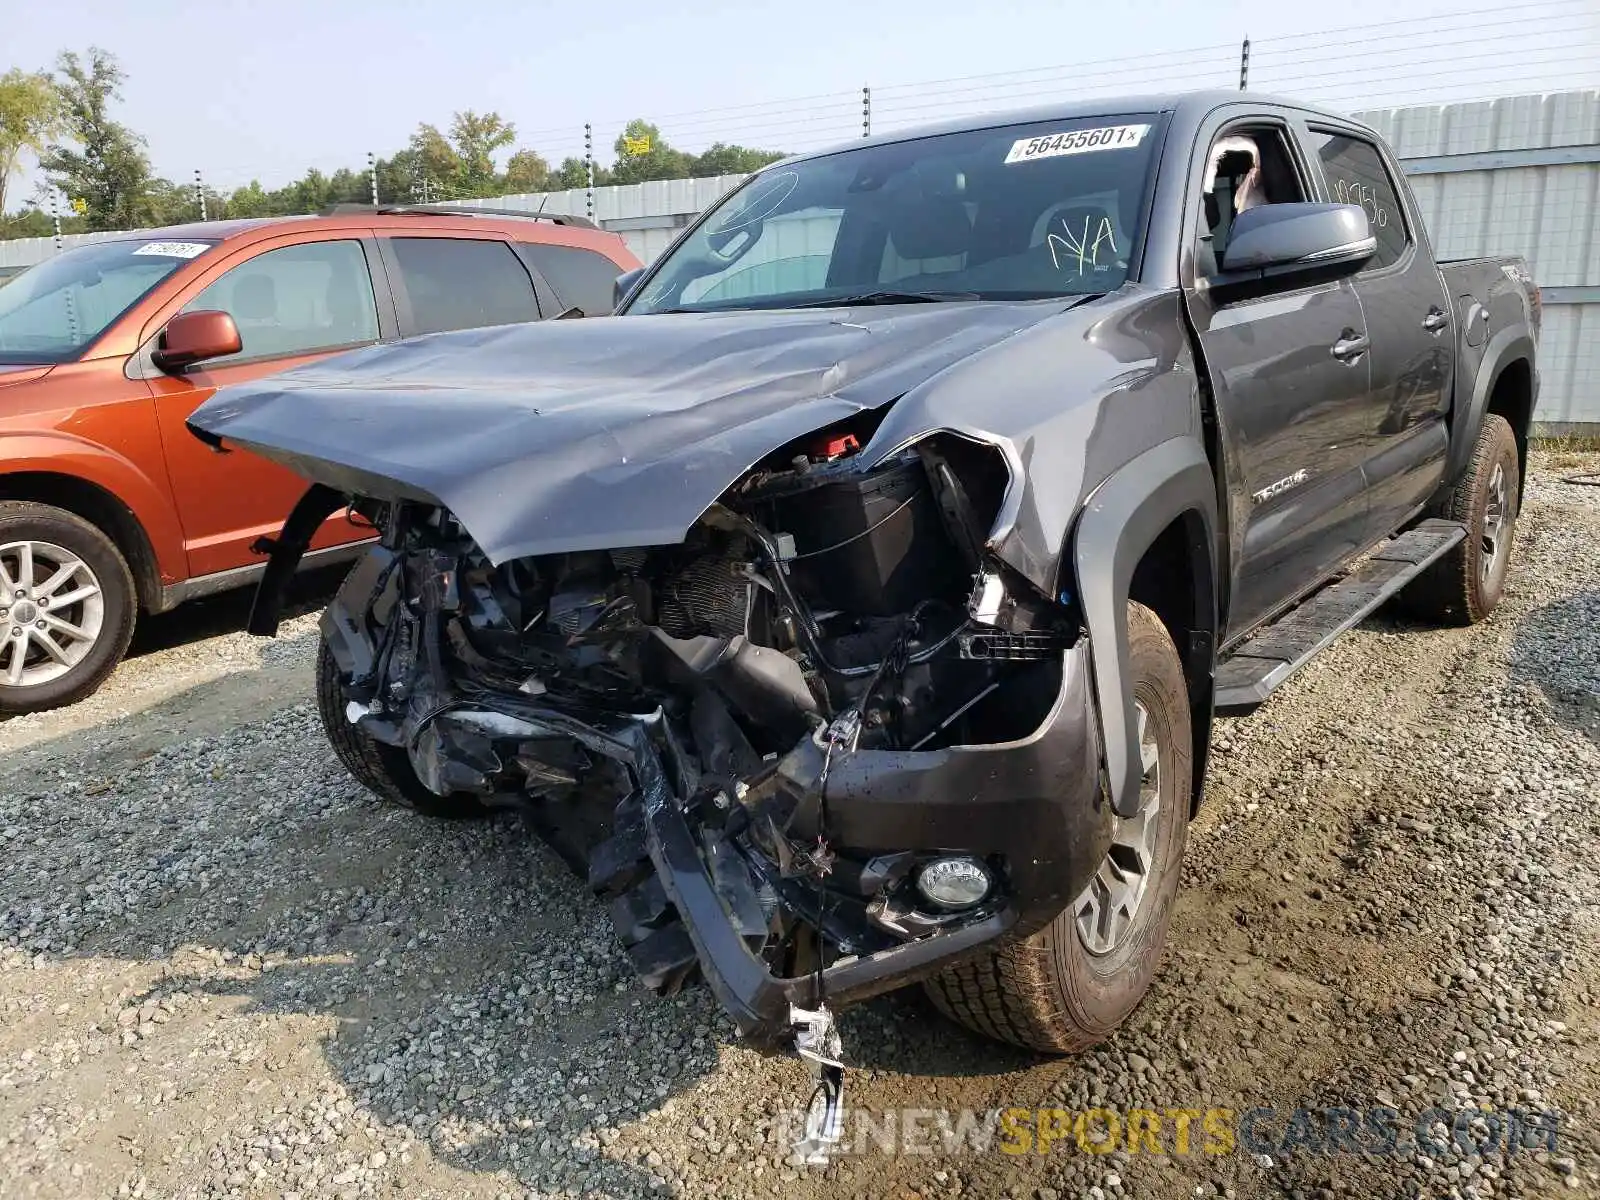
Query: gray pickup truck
[{"x": 853, "y": 607}]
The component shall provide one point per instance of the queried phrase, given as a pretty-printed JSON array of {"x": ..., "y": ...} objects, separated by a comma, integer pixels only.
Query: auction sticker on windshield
[
  {"x": 174, "y": 249},
  {"x": 1078, "y": 141}
]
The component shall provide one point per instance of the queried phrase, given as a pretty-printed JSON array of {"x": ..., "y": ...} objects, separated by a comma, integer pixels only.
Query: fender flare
[
  {"x": 1120, "y": 521},
  {"x": 1505, "y": 347},
  {"x": 146, "y": 500}
]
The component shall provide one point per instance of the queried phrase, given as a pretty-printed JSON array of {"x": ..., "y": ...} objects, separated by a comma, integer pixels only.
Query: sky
[{"x": 247, "y": 90}]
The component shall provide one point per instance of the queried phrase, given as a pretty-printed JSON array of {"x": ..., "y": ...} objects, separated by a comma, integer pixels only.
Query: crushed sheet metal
[{"x": 602, "y": 433}]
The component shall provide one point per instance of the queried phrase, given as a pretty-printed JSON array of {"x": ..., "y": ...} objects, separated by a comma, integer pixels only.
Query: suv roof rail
[{"x": 452, "y": 210}]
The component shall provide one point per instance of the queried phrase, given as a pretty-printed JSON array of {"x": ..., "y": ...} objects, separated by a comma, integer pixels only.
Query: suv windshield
[
  {"x": 53, "y": 312},
  {"x": 1049, "y": 208}
]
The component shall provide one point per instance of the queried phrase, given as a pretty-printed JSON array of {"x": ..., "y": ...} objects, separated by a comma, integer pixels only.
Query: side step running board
[{"x": 1261, "y": 664}]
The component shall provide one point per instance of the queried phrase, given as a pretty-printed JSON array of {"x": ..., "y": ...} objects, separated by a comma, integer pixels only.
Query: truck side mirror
[
  {"x": 192, "y": 337},
  {"x": 624, "y": 285},
  {"x": 1275, "y": 240}
]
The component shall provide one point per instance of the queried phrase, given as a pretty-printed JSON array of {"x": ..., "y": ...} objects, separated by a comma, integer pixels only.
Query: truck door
[
  {"x": 1410, "y": 323},
  {"x": 1289, "y": 373}
]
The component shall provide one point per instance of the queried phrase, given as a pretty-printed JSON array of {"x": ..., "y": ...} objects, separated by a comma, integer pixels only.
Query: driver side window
[
  {"x": 1246, "y": 168},
  {"x": 296, "y": 299}
]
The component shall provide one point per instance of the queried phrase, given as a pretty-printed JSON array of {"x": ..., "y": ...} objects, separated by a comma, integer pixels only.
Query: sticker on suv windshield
[
  {"x": 174, "y": 249},
  {"x": 1078, "y": 141}
]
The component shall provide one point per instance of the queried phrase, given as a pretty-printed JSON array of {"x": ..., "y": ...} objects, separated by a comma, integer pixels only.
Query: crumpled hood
[{"x": 595, "y": 433}]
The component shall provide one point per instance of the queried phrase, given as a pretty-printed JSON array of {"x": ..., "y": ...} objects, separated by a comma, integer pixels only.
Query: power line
[
  {"x": 1480, "y": 80},
  {"x": 750, "y": 117},
  {"x": 1504, "y": 43},
  {"x": 1002, "y": 75},
  {"x": 1411, "y": 69},
  {"x": 1498, "y": 10}
]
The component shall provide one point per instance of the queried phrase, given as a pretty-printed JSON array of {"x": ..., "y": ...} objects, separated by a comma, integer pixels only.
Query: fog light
[{"x": 954, "y": 882}]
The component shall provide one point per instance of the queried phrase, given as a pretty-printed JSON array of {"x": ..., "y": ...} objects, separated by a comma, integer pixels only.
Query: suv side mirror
[
  {"x": 1276, "y": 240},
  {"x": 624, "y": 285},
  {"x": 192, "y": 337}
]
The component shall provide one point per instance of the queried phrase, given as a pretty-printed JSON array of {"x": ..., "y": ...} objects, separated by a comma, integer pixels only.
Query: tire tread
[
  {"x": 380, "y": 769},
  {"x": 1448, "y": 591},
  {"x": 1019, "y": 992}
]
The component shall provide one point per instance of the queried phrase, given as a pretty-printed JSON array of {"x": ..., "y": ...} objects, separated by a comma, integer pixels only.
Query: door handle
[
  {"x": 1350, "y": 346},
  {"x": 1435, "y": 320}
]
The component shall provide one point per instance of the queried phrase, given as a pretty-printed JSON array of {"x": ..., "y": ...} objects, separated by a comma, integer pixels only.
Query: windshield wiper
[{"x": 886, "y": 297}]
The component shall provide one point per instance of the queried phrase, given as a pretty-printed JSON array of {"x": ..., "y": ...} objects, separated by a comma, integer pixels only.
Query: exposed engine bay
[
  {"x": 680, "y": 722},
  {"x": 817, "y": 611}
]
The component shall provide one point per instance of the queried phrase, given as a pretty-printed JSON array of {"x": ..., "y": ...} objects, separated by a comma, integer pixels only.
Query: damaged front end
[{"x": 822, "y": 748}]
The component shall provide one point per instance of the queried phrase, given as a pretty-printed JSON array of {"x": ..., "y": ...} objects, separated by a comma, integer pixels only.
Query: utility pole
[
  {"x": 588, "y": 165},
  {"x": 55, "y": 219},
  {"x": 1244, "y": 64},
  {"x": 866, "y": 112},
  {"x": 372, "y": 173},
  {"x": 200, "y": 193}
]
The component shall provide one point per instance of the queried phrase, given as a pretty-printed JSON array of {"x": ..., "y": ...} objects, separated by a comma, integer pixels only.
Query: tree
[
  {"x": 526, "y": 172},
  {"x": 643, "y": 154},
  {"x": 252, "y": 200},
  {"x": 436, "y": 162},
  {"x": 723, "y": 159},
  {"x": 476, "y": 139},
  {"x": 33, "y": 222},
  {"x": 30, "y": 116},
  {"x": 572, "y": 173},
  {"x": 168, "y": 203},
  {"x": 106, "y": 168}
]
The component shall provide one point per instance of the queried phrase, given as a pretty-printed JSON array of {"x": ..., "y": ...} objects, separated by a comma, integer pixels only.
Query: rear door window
[
  {"x": 1355, "y": 174},
  {"x": 462, "y": 283},
  {"x": 585, "y": 278},
  {"x": 296, "y": 300}
]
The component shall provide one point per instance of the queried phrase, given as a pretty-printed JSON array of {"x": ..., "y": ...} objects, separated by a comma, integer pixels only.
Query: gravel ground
[{"x": 224, "y": 970}]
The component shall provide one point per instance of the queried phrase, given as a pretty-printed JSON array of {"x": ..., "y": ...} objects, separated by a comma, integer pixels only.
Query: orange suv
[{"x": 108, "y": 504}]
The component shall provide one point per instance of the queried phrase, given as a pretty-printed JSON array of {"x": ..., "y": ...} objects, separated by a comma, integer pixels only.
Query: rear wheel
[
  {"x": 1464, "y": 586},
  {"x": 1071, "y": 984},
  {"x": 67, "y": 607},
  {"x": 383, "y": 770}
]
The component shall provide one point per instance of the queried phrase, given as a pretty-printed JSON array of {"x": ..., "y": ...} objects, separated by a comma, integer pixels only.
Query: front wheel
[
  {"x": 67, "y": 607},
  {"x": 1071, "y": 984},
  {"x": 383, "y": 770}
]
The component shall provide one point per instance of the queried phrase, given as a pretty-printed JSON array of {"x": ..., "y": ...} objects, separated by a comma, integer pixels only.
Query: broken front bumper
[{"x": 1034, "y": 804}]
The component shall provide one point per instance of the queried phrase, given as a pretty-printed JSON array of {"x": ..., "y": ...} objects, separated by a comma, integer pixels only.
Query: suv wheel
[
  {"x": 1072, "y": 983},
  {"x": 67, "y": 607}
]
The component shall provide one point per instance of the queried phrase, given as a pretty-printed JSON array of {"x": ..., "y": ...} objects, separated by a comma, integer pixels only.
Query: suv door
[
  {"x": 442, "y": 282},
  {"x": 1290, "y": 382},
  {"x": 293, "y": 301},
  {"x": 1409, "y": 322}
]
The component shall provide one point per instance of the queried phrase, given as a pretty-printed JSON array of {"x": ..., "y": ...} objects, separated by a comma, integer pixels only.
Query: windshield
[
  {"x": 1050, "y": 208},
  {"x": 53, "y": 312}
]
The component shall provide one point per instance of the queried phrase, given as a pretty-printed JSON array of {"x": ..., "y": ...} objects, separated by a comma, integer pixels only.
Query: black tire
[
  {"x": 43, "y": 526},
  {"x": 1464, "y": 586},
  {"x": 383, "y": 770},
  {"x": 1048, "y": 992}
]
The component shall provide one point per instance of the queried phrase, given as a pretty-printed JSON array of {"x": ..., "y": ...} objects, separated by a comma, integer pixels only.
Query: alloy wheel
[
  {"x": 1496, "y": 538},
  {"x": 1107, "y": 909},
  {"x": 52, "y": 611}
]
